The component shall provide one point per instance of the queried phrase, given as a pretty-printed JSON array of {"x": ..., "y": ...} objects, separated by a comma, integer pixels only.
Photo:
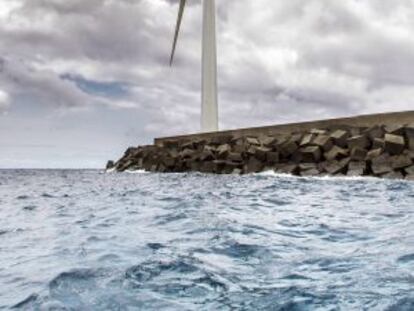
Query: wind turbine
[{"x": 209, "y": 101}]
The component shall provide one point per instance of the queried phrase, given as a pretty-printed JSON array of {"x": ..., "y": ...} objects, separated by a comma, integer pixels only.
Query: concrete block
[
  {"x": 323, "y": 141},
  {"x": 221, "y": 139},
  {"x": 360, "y": 141},
  {"x": 393, "y": 175},
  {"x": 336, "y": 153},
  {"x": 223, "y": 151},
  {"x": 374, "y": 132},
  {"x": 356, "y": 168},
  {"x": 400, "y": 161},
  {"x": 235, "y": 157},
  {"x": 261, "y": 152},
  {"x": 186, "y": 153},
  {"x": 206, "y": 155},
  {"x": 394, "y": 144},
  {"x": 237, "y": 171},
  {"x": 252, "y": 141},
  {"x": 239, "y": 148},
  {"x": 268, "y": 141},
  {"x": 272, "y": 157},
  {"x": 409, "y": 170},
  {"x": 287, "y": 149},
  {"x": 409, "y": 177},
  {"x": 375, "y": 153},
  {"x": 307, "y": 166},
  {"x": 310, "y": 154},
  {"x": 378, "y": 143},
  {"x": 395, "y": 129},
  {"x": 168, "y": 162},
  {"x": 318, "y": 131},
  {"x": 337, "y": 167},
  {"x": 340, "y": 138},
  {"x": 307, "y": 139},
  {"x": 287, "y": 168},
  {"x": 253, "y": 166},
  {"x": 381, "y": 165},
  {"x": 207, "y": 167},
  {"x": 296, "y": 138},
  {"x": 358, "y": 154},
  {"x": 409, "y": 133},
  {"x": 310, "y": 172}
]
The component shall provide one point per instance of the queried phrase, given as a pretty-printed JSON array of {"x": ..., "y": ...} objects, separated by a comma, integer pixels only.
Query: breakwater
[{"x": 380, "y": 145}]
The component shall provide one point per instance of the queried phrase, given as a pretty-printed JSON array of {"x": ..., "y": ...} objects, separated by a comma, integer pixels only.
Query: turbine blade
[{"x": 177, "y": 28}]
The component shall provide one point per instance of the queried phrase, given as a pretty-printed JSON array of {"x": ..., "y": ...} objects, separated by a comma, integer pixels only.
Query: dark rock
[
  {"x": 336, "y": 153},
  {"x": 310, "y": 154},
  {"x": 340, "y": 138},
  {"x": 323, "y": 141},
  {"x": 401, "y": 161},
  {"x": 360, "y": 141},
  {"x": 358, "y": 154},
  {"x": 357, "y": 168},
  {"x": 110, "y": 165},
  {"x": 394, "y": 144}
]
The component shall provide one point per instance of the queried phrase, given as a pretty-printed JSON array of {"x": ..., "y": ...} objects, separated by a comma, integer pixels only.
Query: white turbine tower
[{"x": 209, "y": 101}]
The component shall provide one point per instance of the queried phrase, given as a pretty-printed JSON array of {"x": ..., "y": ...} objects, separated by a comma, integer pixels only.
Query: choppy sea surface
[{"x": 87, "y": 240}]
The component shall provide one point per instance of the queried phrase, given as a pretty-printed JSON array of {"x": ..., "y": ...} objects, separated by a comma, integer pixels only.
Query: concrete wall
[{"x": 404, "y": 117}]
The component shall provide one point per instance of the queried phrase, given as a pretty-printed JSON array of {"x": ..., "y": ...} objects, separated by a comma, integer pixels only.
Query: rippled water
[{"x": 85, "y": 240}]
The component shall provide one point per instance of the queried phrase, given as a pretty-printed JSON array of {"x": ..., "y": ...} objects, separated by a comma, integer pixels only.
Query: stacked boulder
[{"x": 381, "y": 151}]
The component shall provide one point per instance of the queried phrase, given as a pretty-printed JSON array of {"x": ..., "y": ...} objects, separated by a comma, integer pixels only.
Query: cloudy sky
[{"x": 81, "y": 80}]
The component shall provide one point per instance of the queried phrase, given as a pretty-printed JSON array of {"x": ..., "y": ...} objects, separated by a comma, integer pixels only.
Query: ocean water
[{"x": 87, "y": 240}]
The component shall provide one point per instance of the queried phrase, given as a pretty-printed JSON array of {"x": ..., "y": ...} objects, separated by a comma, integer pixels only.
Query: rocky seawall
[{"x": 385, "y": 151}]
